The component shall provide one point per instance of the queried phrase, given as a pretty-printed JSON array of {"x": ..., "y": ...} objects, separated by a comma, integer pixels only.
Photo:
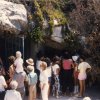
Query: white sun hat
[
  {"x": 75, "y": 58},
  {"x": 30, "y": 61}
]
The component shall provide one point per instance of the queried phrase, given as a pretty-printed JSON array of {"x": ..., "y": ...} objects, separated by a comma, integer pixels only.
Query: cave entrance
[
  {"x": 9, "y": 45},
  {"x": 51, "y": 52}
]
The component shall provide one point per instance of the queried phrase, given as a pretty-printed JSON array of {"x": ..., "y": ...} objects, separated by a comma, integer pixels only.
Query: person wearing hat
[
  {"x": 32, "y": 79},
  {"x": 13, "y": 94},
  {"x": 44, "y": 85}
]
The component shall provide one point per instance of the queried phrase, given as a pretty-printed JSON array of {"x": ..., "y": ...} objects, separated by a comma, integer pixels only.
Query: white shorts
[{"x": 82, "y": 76}]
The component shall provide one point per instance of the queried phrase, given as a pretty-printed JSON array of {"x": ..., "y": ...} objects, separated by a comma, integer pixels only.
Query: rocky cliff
[
  {"x": 13, "y": 17},
  {"x": 84, "y": 16}
]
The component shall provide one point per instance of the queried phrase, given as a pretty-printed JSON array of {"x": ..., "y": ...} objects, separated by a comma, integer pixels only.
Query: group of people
[{"x": 56, "y": 76}]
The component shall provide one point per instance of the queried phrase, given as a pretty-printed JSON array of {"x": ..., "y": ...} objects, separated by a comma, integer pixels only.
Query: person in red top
[{"x": 67, "y": 65}]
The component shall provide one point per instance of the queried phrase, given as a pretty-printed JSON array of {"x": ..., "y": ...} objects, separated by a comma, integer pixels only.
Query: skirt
[{"x": 82, "y": 76}]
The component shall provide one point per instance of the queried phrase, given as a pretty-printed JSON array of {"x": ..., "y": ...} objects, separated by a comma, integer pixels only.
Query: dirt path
[{"x": 93, "y": 93}]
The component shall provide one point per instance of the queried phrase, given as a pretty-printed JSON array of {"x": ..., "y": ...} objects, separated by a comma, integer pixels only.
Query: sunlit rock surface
[{"x": 13, "y": 17}]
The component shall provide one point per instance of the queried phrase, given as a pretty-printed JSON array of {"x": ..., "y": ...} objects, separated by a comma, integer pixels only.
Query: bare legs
[{"x": 82, "y": 87}]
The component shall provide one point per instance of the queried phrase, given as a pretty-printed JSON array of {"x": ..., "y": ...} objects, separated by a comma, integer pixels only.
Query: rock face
[
  {"x": 57, "y": 34},
  {"x": 13, "y": 17},
  {"x": 85, "y": 22}
]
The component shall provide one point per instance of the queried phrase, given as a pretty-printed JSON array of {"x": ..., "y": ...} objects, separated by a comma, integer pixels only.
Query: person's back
[
  {"x": 20, "y": 78},
  {"x": 67, "y": 64},
  {"x": 19, "y": 64},
  {"x": 32, "y": 77},
  {"x": 12, "y": 95},
  {"x": 83, "y": 66}
]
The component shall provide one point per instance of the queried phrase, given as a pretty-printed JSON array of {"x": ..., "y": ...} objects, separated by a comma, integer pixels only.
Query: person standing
[
  {"x": 55, "y": 71},
  {"x": 48, "y": 61},
  {"x": 18, "y": 63},
  {"x": 21, "y": 78},
  {"x": 32, "y": 79},
  {"x": 12, "y": 94},
  {"x": 38, "y": 71},
  {"x": 83, "y": 68},
  {"x": 75, "y": 73},
  {"x": 11, "y": 70},
  {"x": 67, "y": 64},
  {"x": 2, "y": 67},
  {"x": 44, "y": 81},
  {"x": 3, "y": 85}
]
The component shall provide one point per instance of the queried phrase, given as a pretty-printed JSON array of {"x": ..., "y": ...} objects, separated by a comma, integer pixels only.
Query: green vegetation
[
  {"x": 38, "y": 15},
  {"x": 46, "y": 10},
  {"x": 72, "y": 43},
  {"x": 51, "y": 10},
  {"x": 36, "y": 35}
]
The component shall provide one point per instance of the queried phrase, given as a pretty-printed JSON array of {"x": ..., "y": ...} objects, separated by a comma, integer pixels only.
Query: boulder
[{"x": 13, "y": 17}]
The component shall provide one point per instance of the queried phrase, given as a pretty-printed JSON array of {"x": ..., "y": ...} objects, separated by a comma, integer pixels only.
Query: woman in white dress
[{"x": 44, "y": 81}]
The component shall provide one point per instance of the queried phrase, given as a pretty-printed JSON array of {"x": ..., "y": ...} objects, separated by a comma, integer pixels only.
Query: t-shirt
[
  {"x": 32, "y": 78},
  {"x": 12, "y": 95},
  {"x": 83, "y": 67},
  {"x": 54, "y": 68},
  {"x": 2, "y": 83},
  {"x": 67, "y": 64},
  {"x": 43, "y": 77},
  {"x": 19, "y": 65},
  {"x": 20, "y": 78}
]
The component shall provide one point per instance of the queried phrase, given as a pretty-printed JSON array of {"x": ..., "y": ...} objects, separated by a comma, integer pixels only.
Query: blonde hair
[
  {"x": 13, "y": 84},
  {"x": 18, "y": 54},
  {"x": 30, "y": 68},
  {"x": 44, "y": 65}
]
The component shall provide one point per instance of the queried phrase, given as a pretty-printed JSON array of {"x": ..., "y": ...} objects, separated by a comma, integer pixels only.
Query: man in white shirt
[{"x": 83, "y": 68}]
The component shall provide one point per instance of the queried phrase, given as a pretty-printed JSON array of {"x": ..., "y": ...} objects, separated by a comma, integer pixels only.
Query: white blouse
[
  {"x": 2, "y": 83},
  {"x": 44, "y": 77},
  {"x": 12, "y": 95}
]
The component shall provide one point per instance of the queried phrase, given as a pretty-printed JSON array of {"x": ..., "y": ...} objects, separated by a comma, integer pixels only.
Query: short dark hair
[
  {"x": 55, "y": 59},
  {"x": 48, "y": 61},
  {"x": 11, "y": 59}
]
